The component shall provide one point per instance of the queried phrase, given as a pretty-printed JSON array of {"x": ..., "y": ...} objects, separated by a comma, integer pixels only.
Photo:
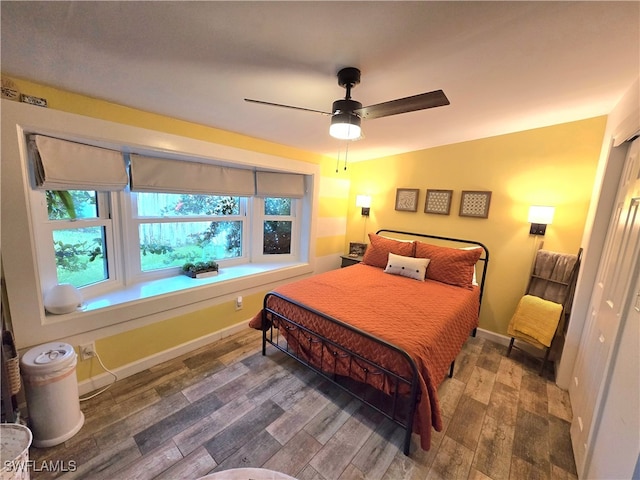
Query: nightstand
[{"x": 347, "y": 261}]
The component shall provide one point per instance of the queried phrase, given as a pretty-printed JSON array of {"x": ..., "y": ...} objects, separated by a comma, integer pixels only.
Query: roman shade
[
  {"x": 276, "y": 184},
  {"x": 150, "y": 174},
  {"x": 64, "y": 165}
]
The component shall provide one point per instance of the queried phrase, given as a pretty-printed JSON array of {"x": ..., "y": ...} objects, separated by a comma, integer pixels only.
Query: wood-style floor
[{"x": 226, "y": 406}]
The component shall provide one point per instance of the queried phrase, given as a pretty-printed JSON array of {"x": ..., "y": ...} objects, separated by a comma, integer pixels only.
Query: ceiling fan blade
[
  {"x": 437, "y": 98},
  {"x": 286, "y": 106}
]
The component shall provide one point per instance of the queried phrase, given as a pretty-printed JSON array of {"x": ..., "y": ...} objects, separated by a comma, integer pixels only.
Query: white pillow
[{"x": 411, "y": 267}]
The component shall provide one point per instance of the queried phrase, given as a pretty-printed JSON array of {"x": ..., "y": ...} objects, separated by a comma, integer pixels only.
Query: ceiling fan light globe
[{"x": 345, "y": 126}]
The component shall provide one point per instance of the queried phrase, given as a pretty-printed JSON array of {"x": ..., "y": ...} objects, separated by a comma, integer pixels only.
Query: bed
[{"x": 386, "y": 330}]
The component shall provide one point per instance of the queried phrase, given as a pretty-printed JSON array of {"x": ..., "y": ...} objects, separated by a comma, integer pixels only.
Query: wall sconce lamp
[
  {"x": 364, "y": 201},
  {"x": 539, "y": 218}
]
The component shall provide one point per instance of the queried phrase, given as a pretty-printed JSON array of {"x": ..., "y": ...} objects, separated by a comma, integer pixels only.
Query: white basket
[{"x": 15, "y": 440}]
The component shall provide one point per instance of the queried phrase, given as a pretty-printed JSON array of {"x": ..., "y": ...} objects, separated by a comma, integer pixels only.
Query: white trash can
[
  {"x": 15, "y": 440},
  {"x": 51, "y": 389}
]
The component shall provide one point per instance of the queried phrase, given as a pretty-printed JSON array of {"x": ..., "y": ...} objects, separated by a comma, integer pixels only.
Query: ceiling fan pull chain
[
  {"x": 338, "y": 162},
  {"x": 346, "y": 155}
]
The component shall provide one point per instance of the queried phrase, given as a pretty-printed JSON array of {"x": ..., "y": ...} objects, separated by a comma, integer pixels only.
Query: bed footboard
[{"x": 399, "y": 404}]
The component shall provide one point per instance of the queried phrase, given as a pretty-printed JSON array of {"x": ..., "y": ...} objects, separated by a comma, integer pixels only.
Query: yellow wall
[
  {"x": 133, "y": 345},
  {"x": 128, "y": 347},
  {"x": 332, "y": 210},
  {"x": 548, "y": 166}
]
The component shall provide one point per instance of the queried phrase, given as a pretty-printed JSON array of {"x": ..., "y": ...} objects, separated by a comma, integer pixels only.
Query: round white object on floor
[{"x": 247, "y": 474}]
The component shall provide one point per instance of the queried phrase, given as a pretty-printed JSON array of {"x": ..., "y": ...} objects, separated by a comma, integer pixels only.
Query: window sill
[{"x": 147, "y": 298}]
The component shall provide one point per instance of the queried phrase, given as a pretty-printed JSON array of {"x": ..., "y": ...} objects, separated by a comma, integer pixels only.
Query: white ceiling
[{"x": 505, "y": 66}]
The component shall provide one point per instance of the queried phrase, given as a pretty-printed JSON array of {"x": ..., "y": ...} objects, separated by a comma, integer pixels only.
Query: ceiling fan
[{"x": 346, "y": 114}]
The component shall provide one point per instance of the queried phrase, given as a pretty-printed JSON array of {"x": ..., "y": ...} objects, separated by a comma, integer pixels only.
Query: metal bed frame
[{"x": 398, "y": 407}]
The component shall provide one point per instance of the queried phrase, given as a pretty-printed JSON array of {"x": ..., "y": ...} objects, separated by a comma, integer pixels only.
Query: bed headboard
[{"x": 481, "y": 265}]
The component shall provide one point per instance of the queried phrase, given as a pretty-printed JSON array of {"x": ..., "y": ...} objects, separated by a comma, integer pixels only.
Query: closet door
[
  {"x": 616, "y": 439},
  {"x": 605, "y": 355}
]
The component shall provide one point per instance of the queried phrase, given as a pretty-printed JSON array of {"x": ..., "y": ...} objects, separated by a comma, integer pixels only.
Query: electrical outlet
[
  {"x": 87, "y": 350},
  {"x": 239, "y": 303}
]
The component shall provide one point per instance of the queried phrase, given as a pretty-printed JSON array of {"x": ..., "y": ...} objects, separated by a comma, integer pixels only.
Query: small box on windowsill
[
  {"x": 200, "y": 269},
  {"x": 212, "y": 273}
]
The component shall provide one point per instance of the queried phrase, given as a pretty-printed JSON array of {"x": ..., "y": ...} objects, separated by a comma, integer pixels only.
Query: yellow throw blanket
[{"x": 535, "y": 320}]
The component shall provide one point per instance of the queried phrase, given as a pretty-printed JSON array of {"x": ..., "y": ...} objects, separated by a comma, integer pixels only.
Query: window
[
  {"x": 177, "y": 228},
  {"x": 78, "y": 231},
  {"x": 277, "y": 226},
  {"x": 99, "y": 240},
  {"x": 147, "y": 221}
]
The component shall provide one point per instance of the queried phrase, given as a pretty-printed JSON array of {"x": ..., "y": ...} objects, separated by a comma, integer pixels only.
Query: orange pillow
[
  {"x": 454, "y": 266},
  {"x": 377, "y": 253}
]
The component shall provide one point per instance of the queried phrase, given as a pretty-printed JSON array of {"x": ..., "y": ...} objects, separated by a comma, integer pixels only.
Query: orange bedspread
[{"x": 429, "y": 320}]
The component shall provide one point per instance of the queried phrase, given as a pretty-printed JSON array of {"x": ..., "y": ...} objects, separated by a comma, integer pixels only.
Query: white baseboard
[
  {"x": 104, "y": 379},
  {"x": 494, "y": 337},
  {"x": 504, "y": 340}
]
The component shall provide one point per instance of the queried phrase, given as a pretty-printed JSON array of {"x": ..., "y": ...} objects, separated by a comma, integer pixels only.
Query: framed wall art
[
  {"x": 438, "y": 201},
  {"x": 357, "y": 249},
  {"x": 407, "y": 199},
  {"x": 475, "y": 204}
]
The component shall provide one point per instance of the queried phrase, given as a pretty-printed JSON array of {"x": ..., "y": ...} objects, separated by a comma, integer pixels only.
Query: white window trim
[{"x": 31, "y": 326}]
